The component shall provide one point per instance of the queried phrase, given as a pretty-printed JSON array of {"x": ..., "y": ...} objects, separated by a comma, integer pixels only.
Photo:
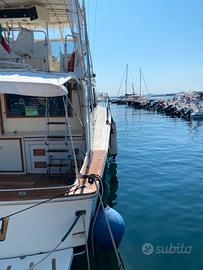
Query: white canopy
[
  {"x": 54, "y": 12},
  {"x": 31, "y": 83}
]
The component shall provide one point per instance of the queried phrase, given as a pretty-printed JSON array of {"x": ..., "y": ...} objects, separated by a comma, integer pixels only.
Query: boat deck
[
  {"x": 18, "y": 181},
  {"x": 42, "y": 186}
]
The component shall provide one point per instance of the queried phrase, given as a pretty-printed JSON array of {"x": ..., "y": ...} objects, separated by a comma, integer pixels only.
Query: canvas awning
[
  {"x": 38, "y": 84},
  {"x": 36, "y": 12}
]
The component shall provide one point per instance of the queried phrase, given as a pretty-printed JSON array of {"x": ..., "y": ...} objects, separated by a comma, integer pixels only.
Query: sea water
[
  {"x": 159, "y": 190},
  {"x": 156, "y": 184}
]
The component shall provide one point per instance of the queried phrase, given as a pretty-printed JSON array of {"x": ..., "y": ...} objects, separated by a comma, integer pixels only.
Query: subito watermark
[{"x": 179, "y": 248}]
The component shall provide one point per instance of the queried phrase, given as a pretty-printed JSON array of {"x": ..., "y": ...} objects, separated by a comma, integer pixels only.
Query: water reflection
[
  {"x": 111, "y": 182},
  {"x": 162, "y": 200},
  {"x": 194, "y": 126}
]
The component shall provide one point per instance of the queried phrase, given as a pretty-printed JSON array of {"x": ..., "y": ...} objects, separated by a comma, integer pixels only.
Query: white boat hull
[
  {"x": 56, "y": 261},
  {"x": 41, "y": 228}
]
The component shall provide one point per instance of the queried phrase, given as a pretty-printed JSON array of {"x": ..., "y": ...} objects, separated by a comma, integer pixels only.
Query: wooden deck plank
[
  {"x": 36, "y": 181},
  {"x": 97, "y": 164},
  {"x": 29, "y": 181}
]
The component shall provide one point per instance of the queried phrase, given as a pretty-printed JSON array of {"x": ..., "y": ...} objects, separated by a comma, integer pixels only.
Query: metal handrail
[
  {"x": 68, "y": 38},
  {"x": 16, "y": 29},
  {"x": 16, "y": 64},
  {"x": 65, "y": 50}
]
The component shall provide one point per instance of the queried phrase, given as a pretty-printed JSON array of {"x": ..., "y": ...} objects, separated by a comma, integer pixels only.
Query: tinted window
[{"x": 26, "y": 106}]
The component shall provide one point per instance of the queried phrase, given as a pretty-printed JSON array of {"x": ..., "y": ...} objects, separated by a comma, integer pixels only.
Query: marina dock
[{"x": 187, "y": 106}]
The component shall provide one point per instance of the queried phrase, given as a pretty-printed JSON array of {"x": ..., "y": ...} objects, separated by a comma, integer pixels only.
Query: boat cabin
[
  {"x": 34, "y": 133},
  {"x": 43, "y": 110},
  {"x": 54, "y": 141}
]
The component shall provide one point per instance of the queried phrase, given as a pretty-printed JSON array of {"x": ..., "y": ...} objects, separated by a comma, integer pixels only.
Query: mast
[
  {"x": 126, "y": 80},
  {"x": 140, "y": 82},
  {"x": 133, "y": 89}
]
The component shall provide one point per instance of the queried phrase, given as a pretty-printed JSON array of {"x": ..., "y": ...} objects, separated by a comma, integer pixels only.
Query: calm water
[{"x": 160, "y": 194}]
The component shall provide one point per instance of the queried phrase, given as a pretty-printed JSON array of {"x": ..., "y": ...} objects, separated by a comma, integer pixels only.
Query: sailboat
[
  {"x": 54, "y": 138},
  {"x": 140, "y": 101},
  {"x": 126, "y": 98}
]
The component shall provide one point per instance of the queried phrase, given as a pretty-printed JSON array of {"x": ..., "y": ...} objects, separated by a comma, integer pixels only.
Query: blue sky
[{"x": 163, "y": 37}]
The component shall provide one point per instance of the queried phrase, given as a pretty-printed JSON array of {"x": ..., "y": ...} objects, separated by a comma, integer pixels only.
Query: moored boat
[
  {"x": 197, "y": 115},
  {"x": 54, "y": 138}
]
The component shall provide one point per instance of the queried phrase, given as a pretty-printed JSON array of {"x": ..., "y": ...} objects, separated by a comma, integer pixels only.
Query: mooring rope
[
  {"x": 91, "y": 178},
  {"x": 78, "y": 215},
  {"x": 37, "y": 204},
  {"x": 120, "y": 264},
  {"x": 86, "y": 243}
]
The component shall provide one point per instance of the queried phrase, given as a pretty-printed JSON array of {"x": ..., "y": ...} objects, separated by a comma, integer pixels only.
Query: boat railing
[
  {"x": 7, "y": 64},
  {"x": 21, "y": 52},
  {"x": 46, "y": 53}
]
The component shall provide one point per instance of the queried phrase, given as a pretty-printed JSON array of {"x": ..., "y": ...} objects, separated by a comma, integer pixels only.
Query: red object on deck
[
  {"x": 71, "y": 62},
  {"x": 5, "y": 45}
]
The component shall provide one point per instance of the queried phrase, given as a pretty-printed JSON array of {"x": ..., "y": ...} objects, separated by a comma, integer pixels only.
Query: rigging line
[
  {"x": 37, "y": 204},
  {"x": 75, "y": 113},
  {"x": 121, "y": 83},
  {"x": 145, "y": 82},
  {"x": 120, "y": 264},
  {"x": 78, "y": 215},
  {"x": 95, "y": 22},
  {"x": 131, "y": 74},
  {"x": 88, "y": 15},
  {"x": 194, "y": 79},
  {"x": 136, "y": 80},
  {"x": 71, "y": 138},
  {"x": 196, "y": 73}
]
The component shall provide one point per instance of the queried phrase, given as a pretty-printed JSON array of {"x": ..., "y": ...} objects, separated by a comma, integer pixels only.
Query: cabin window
[{"x": 32, "y": 107}]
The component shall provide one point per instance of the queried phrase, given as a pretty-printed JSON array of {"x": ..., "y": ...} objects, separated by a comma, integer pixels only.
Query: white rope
[
  {"x": 120, "y": 264},
  {"x": 93, "y": 223},
  {"x": 31, "y": 267},
  {"x": 86, "y": 242},
  {"x": 71, "y": 139},
  {"x": 78, "y": 118}
]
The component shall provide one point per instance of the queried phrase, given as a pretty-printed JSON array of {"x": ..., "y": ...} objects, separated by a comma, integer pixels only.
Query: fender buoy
[
  {"x": 113, "y": 150},
  {"x": 101, "y": 232}
]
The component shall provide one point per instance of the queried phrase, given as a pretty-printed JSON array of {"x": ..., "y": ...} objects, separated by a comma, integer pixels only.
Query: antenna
[
  {"x": 140, "y": 82},
  {"x": 126, "y": 80}
]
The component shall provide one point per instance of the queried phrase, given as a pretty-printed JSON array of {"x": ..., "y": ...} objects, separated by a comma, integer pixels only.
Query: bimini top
[
  {"x": 38, "y": 84},
  {"x": 35, "y": 12}
]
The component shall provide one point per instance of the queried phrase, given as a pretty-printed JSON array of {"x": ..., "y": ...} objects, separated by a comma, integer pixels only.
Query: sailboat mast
[
  {"x": 126, "y": 80},
  {"x": 133, "y": 89},
  {"x": 140, "y": 82}
]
